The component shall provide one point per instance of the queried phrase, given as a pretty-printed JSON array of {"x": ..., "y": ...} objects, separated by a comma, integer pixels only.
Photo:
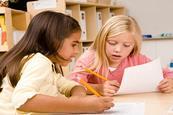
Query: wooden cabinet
[
  {"x": 14, "y": 20},
  {"x": 90, "y": 9},
  {"x": 35, "y": 7}
]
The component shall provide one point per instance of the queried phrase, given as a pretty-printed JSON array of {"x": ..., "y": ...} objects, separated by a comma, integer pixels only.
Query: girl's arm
[
  {"x": 74, "y": 104},
  {"x": 77, "y": 103},
  {"x": 166, "y": 85}
]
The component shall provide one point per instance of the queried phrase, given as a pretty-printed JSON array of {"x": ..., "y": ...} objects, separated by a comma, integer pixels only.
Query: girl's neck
[
  {"x": 114, "y": 65},
  {"x": 111, "y": 69}
]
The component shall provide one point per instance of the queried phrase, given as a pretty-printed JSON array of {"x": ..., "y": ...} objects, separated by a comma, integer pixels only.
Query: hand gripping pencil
[
  {"x": 96, "y": 74},
  {"x": 90, "y": 88}
]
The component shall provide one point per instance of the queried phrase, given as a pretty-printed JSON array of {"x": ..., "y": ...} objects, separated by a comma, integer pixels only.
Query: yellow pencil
[
  {"x": 90, "y": 88},
  {"x": 96, "y": 74}
]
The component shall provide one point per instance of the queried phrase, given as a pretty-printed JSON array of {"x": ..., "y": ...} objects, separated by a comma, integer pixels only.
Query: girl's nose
[
  {"x": 117, "y": 48},
  {"x": 77, "y": 50}
]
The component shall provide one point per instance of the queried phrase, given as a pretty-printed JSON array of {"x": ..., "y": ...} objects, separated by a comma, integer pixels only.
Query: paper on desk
[
  {"x": 170, "y": 111},
  {"x": 121, "y": 108},
  {"x": 141, "y": 78}
]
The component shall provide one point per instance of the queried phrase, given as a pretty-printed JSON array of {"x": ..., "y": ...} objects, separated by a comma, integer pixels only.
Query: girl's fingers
[
  {"x": 114, "y": 83},
  {"x": 108, "y": 102},
  {"x": 107, "y": 99},
  {"x": 163, "y": 82},
  {"x": 166, "y": 90},
  {"x": 163, "y": 86},
  {"x": 108, "y": 106},
  {"x": 111, "y": 87},
  {"x": 108, "y": 91}
]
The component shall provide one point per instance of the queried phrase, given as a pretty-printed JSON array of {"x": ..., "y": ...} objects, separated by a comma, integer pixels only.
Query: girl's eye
[
  {"x": 75, "y": 45},
  {"x": 112, "y": 42},
  {"x": 128, "y": 44}
]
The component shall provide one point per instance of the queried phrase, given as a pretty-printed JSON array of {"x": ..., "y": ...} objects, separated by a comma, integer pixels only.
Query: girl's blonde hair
[{"x": 113, "y": 27}]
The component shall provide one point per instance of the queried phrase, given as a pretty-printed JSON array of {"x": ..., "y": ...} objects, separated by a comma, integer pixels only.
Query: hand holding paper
[{"x": 141, "y": 78}]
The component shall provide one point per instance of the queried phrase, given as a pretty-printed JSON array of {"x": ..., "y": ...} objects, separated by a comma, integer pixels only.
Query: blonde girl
[{"x": 116, "y": 47}]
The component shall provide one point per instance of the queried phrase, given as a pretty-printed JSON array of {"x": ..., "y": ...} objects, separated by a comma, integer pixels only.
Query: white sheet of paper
[
  {"x": 170, "y": 111},
  {"x": 141, "y": 78},
  {"x": 122, "y": 108}
]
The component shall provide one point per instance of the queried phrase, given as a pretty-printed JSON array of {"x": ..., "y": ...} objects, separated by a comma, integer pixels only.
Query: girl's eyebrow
[
  {"x": 122, "y": 42},
  {"x": 128, "y": 42}
]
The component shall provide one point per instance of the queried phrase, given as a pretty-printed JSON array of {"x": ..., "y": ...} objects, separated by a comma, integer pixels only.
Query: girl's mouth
[{"x": 116, "y": 57}]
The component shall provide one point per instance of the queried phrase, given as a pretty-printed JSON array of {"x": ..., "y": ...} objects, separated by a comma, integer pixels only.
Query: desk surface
[{"x": 155, "y": 103}]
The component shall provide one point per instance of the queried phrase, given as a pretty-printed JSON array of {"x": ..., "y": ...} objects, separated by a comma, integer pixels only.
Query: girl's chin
[{"x": 115, "y": 60}]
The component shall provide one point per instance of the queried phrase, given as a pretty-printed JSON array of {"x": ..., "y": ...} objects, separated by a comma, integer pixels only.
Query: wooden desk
[{"x": 155, "y": 103}]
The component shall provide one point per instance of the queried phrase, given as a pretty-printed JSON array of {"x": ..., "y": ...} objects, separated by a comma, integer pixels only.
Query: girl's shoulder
[
  {"x": 37, "y": 59},
  {"x": 138, "y": 56},
  {"x": 86, "y": 58},
  {"x": 40, "y": 58},
  {"x": 137, "y": 59},
  {"x": 88, "y": 55}
]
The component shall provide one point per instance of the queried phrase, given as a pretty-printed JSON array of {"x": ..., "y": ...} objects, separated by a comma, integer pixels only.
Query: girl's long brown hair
[{"x": 45, "y": 34}]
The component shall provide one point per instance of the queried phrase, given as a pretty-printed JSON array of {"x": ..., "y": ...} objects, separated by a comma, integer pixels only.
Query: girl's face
[
  {"x": 70, "y": 47},
  {"x": 119, "y": 47}
]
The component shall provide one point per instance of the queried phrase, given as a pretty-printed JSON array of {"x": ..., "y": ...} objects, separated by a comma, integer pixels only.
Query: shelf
[
  {"x": 86, "y": 43},
  {"x": 3, "y": 48},
  {"x": 89, "y": 4},
  {"x": 32, "y": 7},
  {"x": 161, "y": 38},
  {"x": 14, "y": 20},
  {"x": 4, "y": 9}
]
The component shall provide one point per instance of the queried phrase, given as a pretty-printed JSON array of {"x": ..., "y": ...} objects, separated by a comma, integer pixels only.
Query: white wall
[
  {"x": 154, "y": 17},
  {"x": 159, "y": 48}
]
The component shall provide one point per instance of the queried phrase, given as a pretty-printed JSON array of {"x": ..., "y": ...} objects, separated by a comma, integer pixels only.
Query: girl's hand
[
  {"x": 78, "y": 91},
  {"x": 166, "y": 85},
  {"x": 93, "y": 104},
  {"x": 110, "y": 88}
]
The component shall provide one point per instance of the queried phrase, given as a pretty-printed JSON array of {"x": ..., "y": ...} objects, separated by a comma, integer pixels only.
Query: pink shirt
[{"x": 117, "y": 74}]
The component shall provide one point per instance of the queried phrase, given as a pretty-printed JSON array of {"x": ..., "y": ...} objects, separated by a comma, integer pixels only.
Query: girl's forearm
[{"x": 48, "y": 104}]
